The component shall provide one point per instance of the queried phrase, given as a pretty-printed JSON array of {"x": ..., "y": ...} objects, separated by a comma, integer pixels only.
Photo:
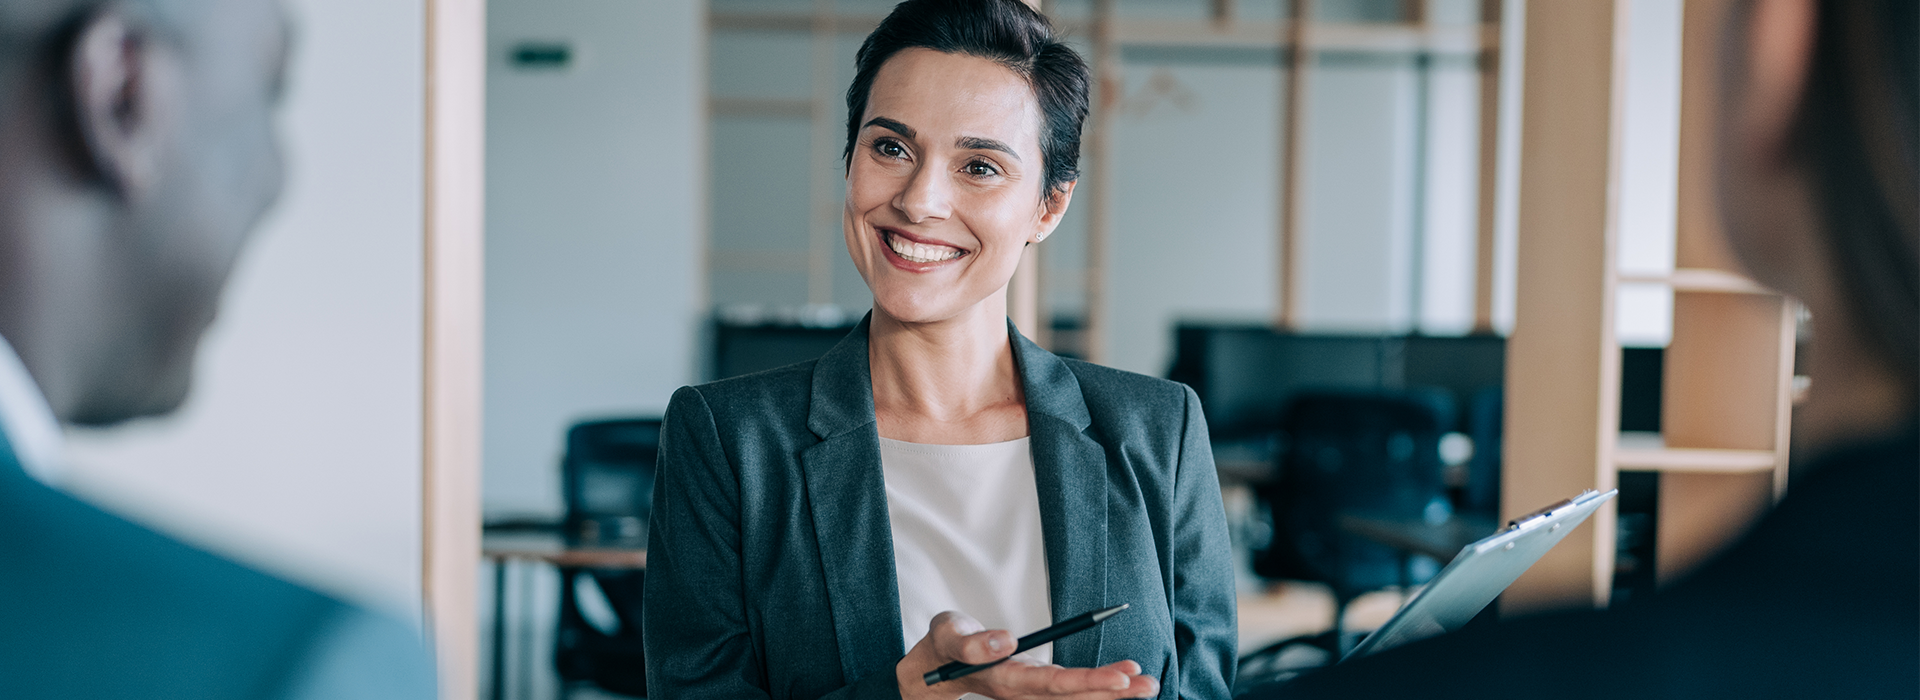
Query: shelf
[
  {"x": 1386, "y": 37},
  {"x": 1700, "y": 280},
  {"x": 1694, "y": 460}
]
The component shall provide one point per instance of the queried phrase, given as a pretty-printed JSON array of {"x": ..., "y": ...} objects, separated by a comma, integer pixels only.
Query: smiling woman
[{"x": 936, "y": 482}]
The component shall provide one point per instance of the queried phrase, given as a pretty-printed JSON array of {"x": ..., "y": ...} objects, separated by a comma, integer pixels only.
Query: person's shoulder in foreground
[
  {"x": 98, "y": 607},
  {"x": 1822, "y": 599},
  {"x": 140, "y": 155}
]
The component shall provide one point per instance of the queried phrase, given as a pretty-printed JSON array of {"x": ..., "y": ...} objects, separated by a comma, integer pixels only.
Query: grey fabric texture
[
  {"x": 93, "y": 606},
  {"x": 770, "y": 560}
]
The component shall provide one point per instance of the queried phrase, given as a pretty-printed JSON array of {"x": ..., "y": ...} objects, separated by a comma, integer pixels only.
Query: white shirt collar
[{"x": 28, "y": 421}]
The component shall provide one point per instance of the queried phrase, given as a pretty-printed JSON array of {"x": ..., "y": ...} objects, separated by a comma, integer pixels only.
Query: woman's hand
[{"x": 953, "y": 636}]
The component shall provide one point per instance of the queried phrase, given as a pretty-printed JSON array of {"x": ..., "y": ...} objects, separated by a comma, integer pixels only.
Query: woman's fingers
[
  {"x": 1116, "y": 680},
  {"x": 962, "y": 638}
]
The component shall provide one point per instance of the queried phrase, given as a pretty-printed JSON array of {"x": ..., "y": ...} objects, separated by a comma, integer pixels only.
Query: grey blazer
[{"x": 770, "y": 561}]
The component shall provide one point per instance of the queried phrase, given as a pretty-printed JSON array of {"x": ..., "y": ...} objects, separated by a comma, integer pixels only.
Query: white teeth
[{"x": 921, "y": 252}]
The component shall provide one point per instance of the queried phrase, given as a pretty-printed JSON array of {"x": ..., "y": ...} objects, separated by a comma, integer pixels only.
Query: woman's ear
[
  {"x": 117, "y": 91},
  {"x": 1052, "y": 208},
  {"x": 1774, "y": 72}
]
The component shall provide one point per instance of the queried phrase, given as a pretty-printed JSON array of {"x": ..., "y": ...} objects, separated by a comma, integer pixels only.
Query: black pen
[{"x": 1059, "y": 629}]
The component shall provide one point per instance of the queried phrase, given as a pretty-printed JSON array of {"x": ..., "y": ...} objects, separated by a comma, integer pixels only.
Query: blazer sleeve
[
  {"x": 698, "y": 643},
  {"x": 1205, "y": 623},
  {"x": 695, "y": 620}
]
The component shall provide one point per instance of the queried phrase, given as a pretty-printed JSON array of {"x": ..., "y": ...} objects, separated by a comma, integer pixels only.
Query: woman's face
[{"x": 944, "y": 186}]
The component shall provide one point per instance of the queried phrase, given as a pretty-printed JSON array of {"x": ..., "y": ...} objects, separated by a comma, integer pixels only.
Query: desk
[
  {"x": 503, "y": 546},
  {"x": 1442, "y": 542}
]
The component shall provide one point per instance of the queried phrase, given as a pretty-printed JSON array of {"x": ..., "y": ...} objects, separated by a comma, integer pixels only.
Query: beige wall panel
[
  {"x": 1721, "y": 388},
  {"x": 1701, "y": 513},
  {"x": 1729, "y": 364},
  {"x": 1562, "y": 360},
  {"x": 1726, "y": 371}
]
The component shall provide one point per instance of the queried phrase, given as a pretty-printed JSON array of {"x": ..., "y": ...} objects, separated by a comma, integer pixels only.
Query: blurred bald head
[{"x": 137, "y": 151}]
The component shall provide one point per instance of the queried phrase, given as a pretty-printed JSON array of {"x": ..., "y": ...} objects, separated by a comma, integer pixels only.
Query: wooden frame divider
[
  {"x": 1109, "y": 85},
  {"x": 1293, "y": 134},
  {"x": 1563, "y": 360},
  {"x": 454, "y": 219},
  {"x": 1485, "y": 240}
]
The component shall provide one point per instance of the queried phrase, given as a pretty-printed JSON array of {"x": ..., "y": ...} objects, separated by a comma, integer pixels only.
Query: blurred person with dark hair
[
  {"x": 137, "y": 151},
  {"x": 1819, "y": 192},
  {"x": 937, "y": 483}
]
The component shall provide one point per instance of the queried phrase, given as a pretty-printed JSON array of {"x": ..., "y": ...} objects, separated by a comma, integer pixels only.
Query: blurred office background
[
  {"x": 662, "y": 201},
  {"x": 664, "y": 194},
  {"x": 657, "y": 170}
]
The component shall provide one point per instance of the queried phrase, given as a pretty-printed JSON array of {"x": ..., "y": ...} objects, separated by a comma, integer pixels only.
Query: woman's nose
[{"x": 925, "y": 197}]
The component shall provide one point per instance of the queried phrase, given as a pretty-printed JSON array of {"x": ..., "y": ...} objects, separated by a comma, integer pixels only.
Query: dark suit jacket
[
  {"x": 770, "y": 566},
  {"x": 1820, "y": 600},
  {"x": 93, "y": 606}
]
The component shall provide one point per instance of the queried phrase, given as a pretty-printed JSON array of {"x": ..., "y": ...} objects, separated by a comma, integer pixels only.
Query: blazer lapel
[
  {"x": 847, "y": 493},
  {"x": 1070, "y": 471}
]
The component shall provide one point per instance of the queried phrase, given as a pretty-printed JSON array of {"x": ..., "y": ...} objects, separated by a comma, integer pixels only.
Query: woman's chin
[{"x": 918, "y": 310}]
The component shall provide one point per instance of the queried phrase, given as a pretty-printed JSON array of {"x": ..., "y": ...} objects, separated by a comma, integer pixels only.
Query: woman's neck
[{"x": 946, "y": 382}]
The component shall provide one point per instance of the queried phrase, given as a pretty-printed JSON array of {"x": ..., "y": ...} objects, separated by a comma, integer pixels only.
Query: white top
[
  {"x": 27, "y": 420},
  {"x": 966, "y": 536}
]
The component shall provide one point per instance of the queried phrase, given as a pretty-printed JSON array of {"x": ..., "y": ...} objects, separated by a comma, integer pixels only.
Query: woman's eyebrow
[
  {"x": 973, "y": 143},
  {"x": 891, "y": 125}
]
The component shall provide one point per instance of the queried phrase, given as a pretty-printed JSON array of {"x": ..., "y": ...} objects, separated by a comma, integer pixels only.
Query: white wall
[
  {"x": 299, "y": 449},
  {"x": 1193, "y": 224},
  {"x": 595, "y": 220},
  {"x": 1198, "y": 167},
  {"x": 1649, "y": 163}
]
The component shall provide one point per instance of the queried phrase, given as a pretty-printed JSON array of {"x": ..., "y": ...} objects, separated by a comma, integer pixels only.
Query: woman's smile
[{"x": 916, "y": 253}]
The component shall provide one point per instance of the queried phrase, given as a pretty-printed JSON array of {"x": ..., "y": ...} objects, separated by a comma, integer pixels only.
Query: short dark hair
[
  {"x": 1007, "y": 32},
  {"x": 1859, "y": 131}
]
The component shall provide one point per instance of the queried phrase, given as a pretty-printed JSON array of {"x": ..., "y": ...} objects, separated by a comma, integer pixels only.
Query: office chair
[
  {"x": 1347, "y": 453},
  {"x": 607, "y": 478},
  {"x": 1485, "y": 416}
]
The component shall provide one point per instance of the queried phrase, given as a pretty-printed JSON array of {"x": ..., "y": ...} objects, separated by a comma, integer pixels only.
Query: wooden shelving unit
[
  {"x": 1729, "y": 368},
  {"x": 1702, "y": 280},
  {"x": 1728, "y": 386},
  {"x": 1695, "y": 460}
]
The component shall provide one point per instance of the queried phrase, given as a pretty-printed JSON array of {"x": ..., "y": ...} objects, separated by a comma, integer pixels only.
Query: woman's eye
[
  {"x": 982, "y": 169},
  {"x": 890, "y": 149}
]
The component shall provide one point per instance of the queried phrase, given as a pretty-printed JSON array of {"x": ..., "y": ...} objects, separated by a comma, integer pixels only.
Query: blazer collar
[
  {"x": 1051, "y": 387},
  {"x": 842, "y": 396},
  {"x": 847, "y": 491},
  {"x": 1070, "y": 473}
]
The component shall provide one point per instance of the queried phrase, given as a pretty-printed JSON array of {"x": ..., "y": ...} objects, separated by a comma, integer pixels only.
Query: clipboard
[{"x": 1480, "y": 573}]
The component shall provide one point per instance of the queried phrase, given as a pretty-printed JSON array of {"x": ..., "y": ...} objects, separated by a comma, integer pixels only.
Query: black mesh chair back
[
  {"x": 1374, "y": 454},
  {"x": 608, "y": 474},
  {"x": 1345, "y": 453},
  {"x": 607, "y": 479},
  {"x": 1485, "y": 414}
]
